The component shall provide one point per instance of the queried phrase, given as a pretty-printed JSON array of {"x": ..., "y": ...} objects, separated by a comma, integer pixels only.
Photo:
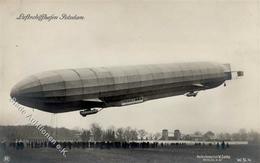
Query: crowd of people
[{"x": 20, "y": 145}]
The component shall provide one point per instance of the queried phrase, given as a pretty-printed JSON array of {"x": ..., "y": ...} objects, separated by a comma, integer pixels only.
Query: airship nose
[
  {"x": 14, "y": 92},
  {"x": 24, "y": 90}
]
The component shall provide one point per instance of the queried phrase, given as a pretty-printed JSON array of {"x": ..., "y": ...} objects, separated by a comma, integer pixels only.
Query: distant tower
[
  {"x": 177, "y": 134},
  {"x": 164, "y": 134}
]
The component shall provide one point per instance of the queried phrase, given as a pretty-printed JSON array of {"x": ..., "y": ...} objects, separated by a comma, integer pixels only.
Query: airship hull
[{"x": 76, "y": 89}]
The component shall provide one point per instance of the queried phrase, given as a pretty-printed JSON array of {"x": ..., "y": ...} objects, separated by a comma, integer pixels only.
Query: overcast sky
[{"x": 138, "y": 32}]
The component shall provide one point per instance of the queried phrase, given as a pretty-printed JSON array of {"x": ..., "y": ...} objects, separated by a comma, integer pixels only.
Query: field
[{"x": 185, "y": 154}]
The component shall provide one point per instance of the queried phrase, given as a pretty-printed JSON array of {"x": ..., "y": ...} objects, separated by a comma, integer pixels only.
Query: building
[
  {"x": 177, "y": 135},
  {"x": 165, "y": 134},
  {"x": 196, "y": 137}
]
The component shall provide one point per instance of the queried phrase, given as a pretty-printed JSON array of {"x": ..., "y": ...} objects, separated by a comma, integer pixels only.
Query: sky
[{"x": 124, "y": 32}]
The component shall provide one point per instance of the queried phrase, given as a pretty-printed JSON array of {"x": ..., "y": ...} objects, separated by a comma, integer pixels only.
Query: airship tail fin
[
  {"x": 227, "y": 71},
  {"x": 230, "y": 75}
]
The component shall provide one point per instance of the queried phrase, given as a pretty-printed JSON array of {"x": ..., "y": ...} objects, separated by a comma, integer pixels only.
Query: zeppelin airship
[{"x": 89, "y": 90}]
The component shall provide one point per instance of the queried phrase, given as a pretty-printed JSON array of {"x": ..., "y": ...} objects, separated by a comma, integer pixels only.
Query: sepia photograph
[{"x": 129, "y": 81}]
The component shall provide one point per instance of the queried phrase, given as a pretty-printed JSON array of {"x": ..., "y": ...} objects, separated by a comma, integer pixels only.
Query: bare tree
[
  {"x": 133, "y": 134},
  {"x": 109, "y": 135},
  {"x": 96, "y": 130},
  {"x": 198, "y": 133},
  {"x": 142, "y": 133},
  {"x": 120, "y": 134},
  {"x": 127, "y": 134},
  {"x": 227, "y": 136},
  {"x": 157, "y": 136},
  {"x": 209, "y": 135},
  {"x": 85, "y": 136},
  {"x": 150, "y": 136}
]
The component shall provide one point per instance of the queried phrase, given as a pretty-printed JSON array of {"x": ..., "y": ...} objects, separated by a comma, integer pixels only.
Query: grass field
[{"x": 185, "y": 154}]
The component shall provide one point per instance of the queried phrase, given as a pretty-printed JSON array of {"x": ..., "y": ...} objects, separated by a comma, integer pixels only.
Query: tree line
[{"x": 96, "y": 133}]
